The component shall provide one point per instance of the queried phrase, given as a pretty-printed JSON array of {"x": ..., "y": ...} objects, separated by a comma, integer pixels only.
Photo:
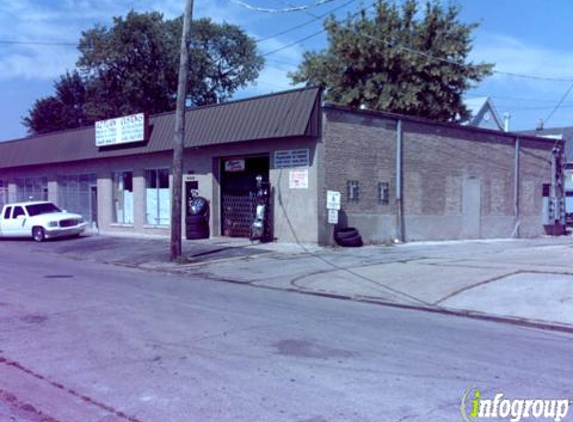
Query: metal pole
[
  {"x": 179, "y": 137},
  {"x": 399, "y": 213}
]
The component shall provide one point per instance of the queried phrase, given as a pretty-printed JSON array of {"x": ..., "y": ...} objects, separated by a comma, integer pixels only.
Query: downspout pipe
[
  {"x": 516, "y": 181},
  {"x": 399, "y": 204}
]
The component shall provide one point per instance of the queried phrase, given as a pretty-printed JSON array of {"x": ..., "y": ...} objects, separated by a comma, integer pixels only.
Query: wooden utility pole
[{"x": 179, "y": 137}]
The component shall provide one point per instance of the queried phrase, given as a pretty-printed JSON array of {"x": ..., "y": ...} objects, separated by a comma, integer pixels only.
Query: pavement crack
[
  {"x": 76, "y": 394},
  {"x": 481, "y": 283}
]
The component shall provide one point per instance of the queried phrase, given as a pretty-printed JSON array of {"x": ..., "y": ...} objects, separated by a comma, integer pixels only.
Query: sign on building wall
[
  {"x": 234, "y": 165},
  {"x": 332, "y": 200},
  {"x": 332, "y": 216},
  {"x": 121, "y": 130},
  {"x": 298, "y": 179},
  {"x": 292, "y": 158}
]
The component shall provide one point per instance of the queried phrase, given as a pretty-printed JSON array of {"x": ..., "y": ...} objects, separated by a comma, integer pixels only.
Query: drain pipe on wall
[
  {"x": 516, "y": 188},
  {"x": 399, "y": 206}
]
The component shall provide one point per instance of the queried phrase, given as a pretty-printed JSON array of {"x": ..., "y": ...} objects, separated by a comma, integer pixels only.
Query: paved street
[{"x": 85, "y": 341}]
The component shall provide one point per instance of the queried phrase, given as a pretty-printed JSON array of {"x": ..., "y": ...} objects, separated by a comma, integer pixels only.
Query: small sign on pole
[
  {"x": 332, "y": 200},
  {"x": 332, "y": 216}
]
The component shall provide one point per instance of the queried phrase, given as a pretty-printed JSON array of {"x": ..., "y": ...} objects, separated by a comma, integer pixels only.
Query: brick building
[{"x": 399, "y": 177}]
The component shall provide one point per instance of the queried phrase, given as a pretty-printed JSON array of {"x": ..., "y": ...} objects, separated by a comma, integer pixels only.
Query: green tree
[
  {"x": 132, "y": 67},
  {"x": 63, "y": 110},
  {"x": 388, "y": 61}
]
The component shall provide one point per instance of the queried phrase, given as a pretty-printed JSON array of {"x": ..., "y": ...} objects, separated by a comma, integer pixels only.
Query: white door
[{"x": 16, "y": 224}]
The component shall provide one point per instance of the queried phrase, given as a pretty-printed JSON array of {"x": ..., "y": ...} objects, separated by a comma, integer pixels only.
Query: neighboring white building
[{"x": 482, "y": 114}]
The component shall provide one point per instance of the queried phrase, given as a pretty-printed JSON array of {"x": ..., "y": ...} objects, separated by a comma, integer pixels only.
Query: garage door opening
[{"x": 238, "y": 189}]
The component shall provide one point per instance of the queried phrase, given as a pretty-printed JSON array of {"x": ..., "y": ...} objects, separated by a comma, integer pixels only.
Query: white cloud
[{"x": 514, "y": 56}]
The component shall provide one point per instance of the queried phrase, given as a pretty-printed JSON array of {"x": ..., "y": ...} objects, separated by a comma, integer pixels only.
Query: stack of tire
[
  {"x": 197, "y": 221},
  {"x": 348, "y": 237}
]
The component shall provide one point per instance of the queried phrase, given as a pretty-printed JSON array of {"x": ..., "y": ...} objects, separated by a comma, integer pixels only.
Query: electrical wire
[
  {"x": 294, "y": 28},
  {"x": 17, "y": 42},
  {"x": 558, "y": 104},
  {"x": 285, "y": 10}
]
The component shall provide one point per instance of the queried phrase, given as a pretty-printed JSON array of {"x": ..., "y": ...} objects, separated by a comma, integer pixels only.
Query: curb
[
  {"x": 524, "y": 322},
  {"x": 519, "y": 321}
]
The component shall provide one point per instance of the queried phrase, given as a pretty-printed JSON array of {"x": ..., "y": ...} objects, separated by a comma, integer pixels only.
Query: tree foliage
[
  {"x": 133, "y": 65},
  {"x": 388, "y": 61}
]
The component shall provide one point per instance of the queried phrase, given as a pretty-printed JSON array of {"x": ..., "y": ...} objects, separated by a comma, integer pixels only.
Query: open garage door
[{"x": 238, "y": 187}]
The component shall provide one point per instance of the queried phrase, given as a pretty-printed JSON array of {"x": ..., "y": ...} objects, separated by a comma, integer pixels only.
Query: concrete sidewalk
[{"x": 527, "y": 280}]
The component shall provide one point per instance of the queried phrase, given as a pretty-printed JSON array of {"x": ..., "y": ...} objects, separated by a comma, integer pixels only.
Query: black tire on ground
[
  {"x": 195, "y": 219},
  {"x": 197, "y": 232},
  {"x": 38, "y": 234},
  {"x": 196, "y": 235},
  {"x": 345, "y": 233},
  {"x": 351, "y": 242}
]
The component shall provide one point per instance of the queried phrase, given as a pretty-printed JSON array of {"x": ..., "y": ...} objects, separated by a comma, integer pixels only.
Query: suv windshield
[{"x": 38, "y": 209}]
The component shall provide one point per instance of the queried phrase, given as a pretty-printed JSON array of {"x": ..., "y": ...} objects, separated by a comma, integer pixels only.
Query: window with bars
[
  {"x": 383, "y": 193},
  {"x": 74, "y": 193},
  {"x": 353, "y": 190},
  {"x": 3, "y": 193},
  {"x": 32, "y": 189}
]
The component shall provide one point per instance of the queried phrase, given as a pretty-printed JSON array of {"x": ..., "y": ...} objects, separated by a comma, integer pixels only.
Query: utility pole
[{"x": 179, "y": 137}]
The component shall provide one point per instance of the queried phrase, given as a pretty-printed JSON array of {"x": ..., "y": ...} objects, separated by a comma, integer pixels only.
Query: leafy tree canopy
[
  {"x": 388, "y": 61},
  {"x": 132, "y": 67}
]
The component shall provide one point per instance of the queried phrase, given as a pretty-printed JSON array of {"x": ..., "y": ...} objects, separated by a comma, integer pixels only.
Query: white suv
[{"x": 39, "y": 220}]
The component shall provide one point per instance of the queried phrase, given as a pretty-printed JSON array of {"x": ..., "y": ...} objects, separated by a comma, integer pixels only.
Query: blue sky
[{"x": 531, "y": 37}]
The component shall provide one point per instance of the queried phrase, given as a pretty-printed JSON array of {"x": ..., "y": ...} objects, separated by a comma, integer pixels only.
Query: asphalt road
[{"x": 87, "y": 342}]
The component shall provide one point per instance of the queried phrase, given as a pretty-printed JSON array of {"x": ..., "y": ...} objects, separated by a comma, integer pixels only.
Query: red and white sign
[
  {"x": 235, "y": 165},
  {"x": 298, "y": 179}
]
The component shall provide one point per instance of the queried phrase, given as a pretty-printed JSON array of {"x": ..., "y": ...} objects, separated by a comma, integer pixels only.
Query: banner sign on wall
[
  {"x": 122, "y": 130},
  {"x": 292, "y": 158}
]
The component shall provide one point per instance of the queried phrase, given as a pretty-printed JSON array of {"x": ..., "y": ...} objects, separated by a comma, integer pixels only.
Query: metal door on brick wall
[{"x": 471, "y": 208}]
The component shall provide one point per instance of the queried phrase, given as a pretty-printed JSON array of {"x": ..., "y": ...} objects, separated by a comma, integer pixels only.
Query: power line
[
  {"x": 314, "y": 34},
  {"x": 17, "y": 42},
  {"x": 454, "y": 62},
  {"x": 285, "y": 10},
  {"x": 558, "y": 104},
  {"x": 294, "y": 28}
]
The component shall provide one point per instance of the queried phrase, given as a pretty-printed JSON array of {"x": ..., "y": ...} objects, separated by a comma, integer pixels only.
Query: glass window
[
  {"x": 123, "y": 197},
  {"x": 7, "y": 213},
  {"x": 157, "y": 197},
  {"x": 18, "y": 211},
  {"x": 383, "y": 193},
  {"x": 32, "y": 189},
  {"x": 352, "y": 190}
]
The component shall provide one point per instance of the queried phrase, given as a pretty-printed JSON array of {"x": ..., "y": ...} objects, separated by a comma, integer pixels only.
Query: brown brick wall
[{"x": 437, "y": 163}]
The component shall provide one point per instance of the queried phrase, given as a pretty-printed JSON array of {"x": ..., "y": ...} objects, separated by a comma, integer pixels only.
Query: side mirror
[{"x": 64, "y": 211}]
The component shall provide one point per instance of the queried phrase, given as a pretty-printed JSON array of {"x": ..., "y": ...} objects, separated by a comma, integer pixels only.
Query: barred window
[
  {"x": 383, "y": 193},
  {"x": 32, "y": 189},
  {"x": 353, "y": 190}
]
